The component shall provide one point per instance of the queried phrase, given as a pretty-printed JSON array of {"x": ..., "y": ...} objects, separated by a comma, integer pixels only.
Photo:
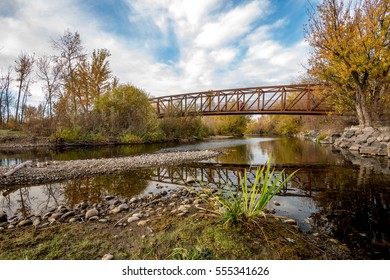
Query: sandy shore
[{"x": 53, "y": 171}]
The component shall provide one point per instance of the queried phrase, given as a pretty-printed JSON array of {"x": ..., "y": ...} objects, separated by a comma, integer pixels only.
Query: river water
[{"x": 330, "y": 193}]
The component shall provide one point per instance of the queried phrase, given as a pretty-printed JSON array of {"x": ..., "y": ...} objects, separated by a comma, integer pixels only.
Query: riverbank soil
[
  {"x": 169, "y": 225},
  {"x": 15, "y": 140}
]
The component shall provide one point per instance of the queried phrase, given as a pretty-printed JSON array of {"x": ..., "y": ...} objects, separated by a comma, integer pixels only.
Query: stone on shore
[
  {"x": 91, "y": 213},
  {"x": 62, "y": 170}
]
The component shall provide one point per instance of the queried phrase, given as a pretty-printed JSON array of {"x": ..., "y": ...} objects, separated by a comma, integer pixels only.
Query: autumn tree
[
  {"x": 23, "y": 68},
  {"x": 351, "y": 56},
  {"x": 93, "y": 78},
  {"x": 125, "y": 109}
]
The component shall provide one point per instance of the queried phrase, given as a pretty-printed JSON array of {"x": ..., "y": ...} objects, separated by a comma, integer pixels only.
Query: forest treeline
[{"x": 84, "y": 101}]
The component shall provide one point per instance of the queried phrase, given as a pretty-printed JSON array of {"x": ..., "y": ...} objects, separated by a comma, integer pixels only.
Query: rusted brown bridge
[{"x": 299, "y": 99}]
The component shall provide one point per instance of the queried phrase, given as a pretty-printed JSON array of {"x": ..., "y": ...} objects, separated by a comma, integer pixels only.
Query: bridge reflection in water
[{"x": 227, "y": 175}]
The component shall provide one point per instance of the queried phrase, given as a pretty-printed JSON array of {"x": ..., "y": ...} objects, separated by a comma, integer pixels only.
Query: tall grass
[{"x": 248, "y": 202}]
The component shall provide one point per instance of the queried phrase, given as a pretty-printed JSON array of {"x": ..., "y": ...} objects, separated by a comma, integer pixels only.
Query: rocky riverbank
[
  {"x": 172, "y": 224},
  {"x": 54, "y": 171},
  {"x": 367, "y": 141}
]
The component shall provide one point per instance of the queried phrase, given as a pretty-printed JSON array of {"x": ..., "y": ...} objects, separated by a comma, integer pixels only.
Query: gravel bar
[{"x": 54, "y": 171}]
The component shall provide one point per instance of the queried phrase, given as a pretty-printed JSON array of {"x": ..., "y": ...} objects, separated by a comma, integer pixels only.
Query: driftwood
[{"x": 16, "y": 168}]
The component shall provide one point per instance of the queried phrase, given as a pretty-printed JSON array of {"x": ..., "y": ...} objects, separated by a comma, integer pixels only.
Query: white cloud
[
  {"x": 231, "y": 25},
  {"x": 220, "y": 46}
]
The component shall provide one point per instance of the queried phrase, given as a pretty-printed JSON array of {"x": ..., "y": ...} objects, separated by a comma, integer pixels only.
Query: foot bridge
[{"x": 299, "y": 99}]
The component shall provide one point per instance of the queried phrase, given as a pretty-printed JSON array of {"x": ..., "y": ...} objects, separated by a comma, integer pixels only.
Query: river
[{"x": 343, "y": 199}]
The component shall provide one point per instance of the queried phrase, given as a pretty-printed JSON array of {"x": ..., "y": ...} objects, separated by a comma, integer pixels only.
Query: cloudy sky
[{"x": 168, "y": 46}]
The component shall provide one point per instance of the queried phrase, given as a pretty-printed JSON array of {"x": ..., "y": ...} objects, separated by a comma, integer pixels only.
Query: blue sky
[{"x": 169, "y": 46}]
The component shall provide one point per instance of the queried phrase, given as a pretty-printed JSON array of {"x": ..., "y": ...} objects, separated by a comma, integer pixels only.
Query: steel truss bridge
[{"x": 299, "y": 99}]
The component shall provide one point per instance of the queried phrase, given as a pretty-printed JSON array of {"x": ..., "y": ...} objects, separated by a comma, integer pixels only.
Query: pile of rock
[
  {"x": 367, "y": 141},
  {"x": 54, "y": 171},
  {"x": 137, "y": 209}
]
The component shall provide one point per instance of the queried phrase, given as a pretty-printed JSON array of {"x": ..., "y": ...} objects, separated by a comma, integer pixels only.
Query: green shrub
[
  {"x": 131, "y": 138},
  {"x": 249, "y": 202}
]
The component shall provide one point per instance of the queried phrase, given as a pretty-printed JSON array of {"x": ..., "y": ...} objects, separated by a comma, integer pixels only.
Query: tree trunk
[
  {"x": 18, "y": 101},
  {"x": 362, "y": 111}
]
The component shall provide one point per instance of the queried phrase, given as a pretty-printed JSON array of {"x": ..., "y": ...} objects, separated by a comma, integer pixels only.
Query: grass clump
[{"x": 248, "y": 202}]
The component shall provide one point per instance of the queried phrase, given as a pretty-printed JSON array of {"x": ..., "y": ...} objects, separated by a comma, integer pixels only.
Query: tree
[
  {"x": 93, "y": 79},
  {"x": 49, "y": 71},
  {"x": 351, "y": 56},
  {"x": 126, "y": 109},
  {"x": 71, "y": 54},
  {"x": 23, "y": 68},
  {"x": 231, "y": 124},
  {"x": 5, "y": 96}
]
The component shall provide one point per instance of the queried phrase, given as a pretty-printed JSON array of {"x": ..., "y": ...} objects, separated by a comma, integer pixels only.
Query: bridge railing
[{"x": 286, "y": 99}]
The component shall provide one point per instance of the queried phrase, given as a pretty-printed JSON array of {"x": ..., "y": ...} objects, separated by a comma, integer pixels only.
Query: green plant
[
  {"x": 320, "y": 137},
  {"x": 249, "y": 202},
  {"x": 131, "y": 138}
]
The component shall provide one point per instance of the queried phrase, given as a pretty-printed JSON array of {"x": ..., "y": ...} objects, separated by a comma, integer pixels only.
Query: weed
[{"x": 249, "y": 201}]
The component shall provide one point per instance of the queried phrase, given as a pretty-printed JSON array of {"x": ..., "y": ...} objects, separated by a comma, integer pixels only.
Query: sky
[{"x": 168, "y": 47}]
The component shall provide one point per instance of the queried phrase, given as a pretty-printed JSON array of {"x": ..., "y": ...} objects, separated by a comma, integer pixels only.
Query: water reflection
[
  {"x": 349, "y": 202},
  {"x": 25, "y": 201}
]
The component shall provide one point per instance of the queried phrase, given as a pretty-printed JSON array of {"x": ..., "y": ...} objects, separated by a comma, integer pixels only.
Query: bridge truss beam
[{"x": 299, "y": 99}]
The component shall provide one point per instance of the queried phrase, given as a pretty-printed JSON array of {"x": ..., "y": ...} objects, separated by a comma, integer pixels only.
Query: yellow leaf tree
[{"x": 350, "y": 55}]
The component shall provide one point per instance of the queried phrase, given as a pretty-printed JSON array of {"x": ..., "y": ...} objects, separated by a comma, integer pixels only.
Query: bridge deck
[{"x": 299, "y": 99}]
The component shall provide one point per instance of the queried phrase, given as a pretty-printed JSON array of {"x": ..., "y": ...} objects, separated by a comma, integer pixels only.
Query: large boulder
[{"x": 348, "y": 133}]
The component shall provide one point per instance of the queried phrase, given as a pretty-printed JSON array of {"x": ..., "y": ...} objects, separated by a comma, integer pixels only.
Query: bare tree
[
  {"x": 49, "y": 71},
  {"x": 71, "y": 54},
  {"x": 23, "y": 68},
  {"x": 5, "y": 95}
]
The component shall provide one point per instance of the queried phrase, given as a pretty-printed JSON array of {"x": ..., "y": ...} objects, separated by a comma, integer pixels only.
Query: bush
[
  {"x": 247, "y": 203},
  {"x": 130, "y": 138}
]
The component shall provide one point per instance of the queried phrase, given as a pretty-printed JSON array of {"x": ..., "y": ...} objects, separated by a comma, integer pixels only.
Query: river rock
[
  {"x": 355, "y": 147},
  {"x": 190, "y": 180},
  {"x": 91, "y": 213},
  {"x": 107, "y": 257},
  {"x": 3, "y": 217},
  {"x": 371, "y": 140},
  {"x": 67, "y": 215},
  {"x": 132, "y": 219},
  {"x": 123, "y": 207},
  {"x": 361, "y": 139},
  {"x": 290, "y": 221},
  {"x": 55, "y": 216},
  {"x": 24, "y": 223},
  {"x": 348, "y": 134},
  {"x": 36, "y": 221},
  {"x": 62, "y": 209},
  {"x": 183, "y": 208},
  {"x": 372, "y": 151},
  {"x": 72, "y": 220}
]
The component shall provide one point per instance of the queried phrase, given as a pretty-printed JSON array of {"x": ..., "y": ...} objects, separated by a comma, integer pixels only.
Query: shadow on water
[{"x": 328, "y": 194}]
